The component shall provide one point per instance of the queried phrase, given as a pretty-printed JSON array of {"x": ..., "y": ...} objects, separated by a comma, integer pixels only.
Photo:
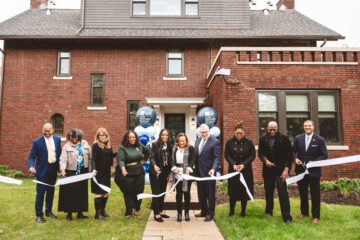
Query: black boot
[
  {"x": 232, "y": 207},
  {"x": 69, "y": 216},
  {"x": 187, "y": 216},
  {"x": 104, "y": 213},
  {"x": 243, "y": 208},
  {"x": 179, "y": 217},
  {"x": 98, "y": 209}
]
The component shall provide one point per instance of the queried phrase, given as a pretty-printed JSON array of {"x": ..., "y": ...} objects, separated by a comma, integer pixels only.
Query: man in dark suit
[
  {"x": 309, "y": 147},
  {"x": 45, "y": 154},
  {"x": 208, "y": 157},
  {"x": 276, "y": 154}
]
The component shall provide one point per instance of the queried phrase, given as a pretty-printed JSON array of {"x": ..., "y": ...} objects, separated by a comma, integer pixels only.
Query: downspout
[
  {"x": 82, "y": 18},
  {"x": 323, "y": 44},
  {"x": 2, "y": 76}
]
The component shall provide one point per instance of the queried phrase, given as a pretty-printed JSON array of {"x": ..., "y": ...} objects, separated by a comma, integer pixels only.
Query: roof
[{"x": 290, "y": 24}]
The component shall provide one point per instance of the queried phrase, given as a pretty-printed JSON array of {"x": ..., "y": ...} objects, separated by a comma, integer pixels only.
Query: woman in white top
[{"x": 182, "y": 161}]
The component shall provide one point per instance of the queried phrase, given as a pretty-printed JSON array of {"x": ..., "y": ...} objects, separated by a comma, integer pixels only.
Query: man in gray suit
[{"x": 208, "y": 157}]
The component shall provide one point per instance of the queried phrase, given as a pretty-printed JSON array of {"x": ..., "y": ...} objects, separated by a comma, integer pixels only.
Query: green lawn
[
  {"x": 17, "y": 217},
  {"x": 337, "y": 222}
]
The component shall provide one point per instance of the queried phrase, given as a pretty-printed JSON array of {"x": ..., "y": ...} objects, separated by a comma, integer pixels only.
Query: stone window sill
[
  {"x": 62, "y": 77},
  {"x": 174, "y": 78},
  {"x": 97, "y": 108}
]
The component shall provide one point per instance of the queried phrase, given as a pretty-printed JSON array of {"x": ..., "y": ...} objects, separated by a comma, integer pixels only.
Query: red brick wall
[{"x": 240, "y": 101}]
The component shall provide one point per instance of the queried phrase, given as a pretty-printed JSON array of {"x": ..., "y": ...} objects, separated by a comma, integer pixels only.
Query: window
[
  {"x": 175, "y": 62},
  {"x": 139, "y": 7},
  {"x": 132, "y": 107},
  {"x": 191, "y": 7},
  {"x": 57, "y": 120},
  {"x": 63, "y": 67},
  {"x": 165, "y": 7},
  {"x": 97, "y": 89},
  {"x": 290, "y": 108}
]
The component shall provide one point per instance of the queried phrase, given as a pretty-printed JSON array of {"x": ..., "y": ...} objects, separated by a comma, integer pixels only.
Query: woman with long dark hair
[
  {"x": 130, "y": 174},
  {"x": 159, "y": 171},
  {"x": 239, "y": 153}
]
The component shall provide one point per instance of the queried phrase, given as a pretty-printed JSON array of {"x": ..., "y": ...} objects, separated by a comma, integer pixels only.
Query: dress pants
[
  {"x": 42, "y": 189},
  {"x": 158, "y": 185},
  {"x": 179, "y": 197},
  {"x": 303, "y": 186},
  {"x": 206, "y": 194},
  {"x": 269, "y": 184},
  {"x": 131, "y": 186}
]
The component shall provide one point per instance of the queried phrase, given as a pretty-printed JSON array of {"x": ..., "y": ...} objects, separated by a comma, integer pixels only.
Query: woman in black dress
[
  {"x": 75, "y": 159},
  {"x": 101, "y": 162},
  {"x": 239, "y": 153},
  {"x": 159, "y": 171}
]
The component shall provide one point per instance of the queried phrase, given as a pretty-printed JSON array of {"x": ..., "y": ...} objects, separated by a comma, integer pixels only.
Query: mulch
[{"x": 333, "y": 197}]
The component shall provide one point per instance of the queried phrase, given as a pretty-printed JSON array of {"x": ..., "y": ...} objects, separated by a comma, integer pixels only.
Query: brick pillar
[{"x": 38, "y": 3}]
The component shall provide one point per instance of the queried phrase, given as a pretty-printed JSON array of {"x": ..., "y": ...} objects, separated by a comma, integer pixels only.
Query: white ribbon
[
  {"x": 323, "y": 163},
  {"x": 76, "y": 178},
  {"x": 10, "y": 180},
  {"x": 188, "y": 177}
]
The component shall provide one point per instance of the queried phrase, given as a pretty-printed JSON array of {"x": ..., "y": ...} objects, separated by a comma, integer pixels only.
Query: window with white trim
[
  {"x": 175, "y": 63},
  {"x": 63, "y": 67}
]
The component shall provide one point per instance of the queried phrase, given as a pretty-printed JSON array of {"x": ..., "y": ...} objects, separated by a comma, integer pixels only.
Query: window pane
[
  {"x": 139, "y": 8},
  {"x": 97, "y": 96},
  {"x": 174, "y": 55},
  {"x": 57, "y": 121},
  {"x": 191, "y": 9},
  {"x": 267, "y": 102},
  {"x": 294, "y": 124},
  {"x": 165, "y": 7},
  {"x": 326, "y": 103},
  {"x": 328, "y": 127},
  {"x": 297, "y": 103},
  {"x": 264, "y": 119},
  {"x": 64, "y": 54},
  {"x": 132, "y": 108},
  {"x": 65, "y": 66},
  {"x": 175, "y": 67}
]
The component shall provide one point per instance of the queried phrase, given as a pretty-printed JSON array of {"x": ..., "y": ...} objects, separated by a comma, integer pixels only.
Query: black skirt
[
  {"x": 236, "y": 189},
  {"x": 74, "y": 197},
  {"x": 103, "y": 177}
]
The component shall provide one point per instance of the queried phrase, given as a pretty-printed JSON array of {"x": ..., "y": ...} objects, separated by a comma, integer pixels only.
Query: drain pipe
[
  {"x": 83, "y": 18},
  {"x": 323, "y": 44},
  {"x": 2, "y": 76}
]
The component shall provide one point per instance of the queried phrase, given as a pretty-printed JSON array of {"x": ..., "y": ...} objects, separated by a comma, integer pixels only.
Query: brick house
[{"x": 95, "y": 66}]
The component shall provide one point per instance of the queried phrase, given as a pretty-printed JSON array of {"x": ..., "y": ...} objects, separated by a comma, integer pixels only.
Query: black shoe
[
  {"x": 267, "y": 213},
  {"x": 69, "y": 217},
  {"x": 231, "y": 214},
  {"x": 40, "y": 219},
  {"x": 99, "y": 215},
  {"x": 242, "y": 214},
  {"x": 200, "y": 215},
  {"x": 158, "y": 219},
  {"x": 81, "y": 216},
  {"x": 288, "y": 221},
  {"x": 50, "y": 214},
  {"x": 104, "y": 213},
  {"x": 164, "y": 216},
  {"x": 187, "y": 217},
  {"x": 179, "y": 218},
  {"x": 208, "y": 218}
]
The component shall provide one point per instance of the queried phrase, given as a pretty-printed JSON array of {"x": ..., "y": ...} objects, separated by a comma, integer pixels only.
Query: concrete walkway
[{"x": 170, "y": 229}]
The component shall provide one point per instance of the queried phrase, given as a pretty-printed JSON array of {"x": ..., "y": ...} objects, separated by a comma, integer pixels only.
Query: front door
[{"x": 175, "y": 123}]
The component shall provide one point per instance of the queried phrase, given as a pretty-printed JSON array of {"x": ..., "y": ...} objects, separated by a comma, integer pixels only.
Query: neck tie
[
  {"x": 202, "y": 145},
  {"x": 50, "y": 158},
  {"x": 307, "y": 142}
]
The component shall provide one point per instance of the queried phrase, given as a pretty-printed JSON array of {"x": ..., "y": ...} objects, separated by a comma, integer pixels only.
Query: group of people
[{"x": 167, "y": 162}]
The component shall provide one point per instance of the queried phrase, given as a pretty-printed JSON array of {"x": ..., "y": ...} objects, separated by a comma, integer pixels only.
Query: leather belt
[{"x": 132, "y": 164}]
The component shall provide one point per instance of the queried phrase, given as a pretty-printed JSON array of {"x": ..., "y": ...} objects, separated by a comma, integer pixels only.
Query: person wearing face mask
[
  {"x": 130, "y": 174},
  {"x": 239, "y": 153},
  {"x": 101, "y": 162},
  {"x": 182, "y": 161},
  {"x": 275, "y": 152},
  {"x": 159, "y": 170},
  {"x": 309, "y": 147},
  {"x": 75, "y": 159},
  {"x": 44, "y": 162}
]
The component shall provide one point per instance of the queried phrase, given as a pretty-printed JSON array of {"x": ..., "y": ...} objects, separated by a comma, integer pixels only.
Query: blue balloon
[
  {"x": 152, "y": 138},
  {"x": 144, "y": 139},
  {"x": 145, "y": 168},
  {"x": 215, "y": 132},
  {"x": 208, "y": 116},
  {"x": 145, "y": 116},
  {"x": 150, "y": 131},
  {"x": 140, "y": 131}
]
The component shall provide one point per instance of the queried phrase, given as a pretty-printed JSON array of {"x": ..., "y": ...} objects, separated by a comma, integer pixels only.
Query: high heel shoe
[
  {"x": 187, "y": 217},
  {"x": 179, "y": 217},
  {"x": 158, "y": 219}
]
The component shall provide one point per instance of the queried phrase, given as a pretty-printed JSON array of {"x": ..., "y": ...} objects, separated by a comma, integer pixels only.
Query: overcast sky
[{"x": 339, "y": 15}]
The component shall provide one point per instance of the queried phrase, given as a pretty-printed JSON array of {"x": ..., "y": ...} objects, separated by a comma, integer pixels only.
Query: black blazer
[
  {"x": 240, "y": 152},
  {"x": 316, "y": 151},
  {"x": 155, "y": 158},
  {"x": 281, "y": 154},
  {"x": 209, "y": 157},
  {"x": 101, "y": 159}
]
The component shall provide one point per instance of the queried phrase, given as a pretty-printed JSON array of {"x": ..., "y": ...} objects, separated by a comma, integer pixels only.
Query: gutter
[{"x": 82, "y": 19}]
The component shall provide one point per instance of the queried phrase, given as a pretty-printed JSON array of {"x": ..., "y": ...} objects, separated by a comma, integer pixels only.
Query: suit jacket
[
  {"x": 209, "y": 158},
  {"x": 281, "y": 154},
  {"x": 316, "y": 151},
  {"x": 39, "y": 157},
  {"x": 156, "y": 159}
]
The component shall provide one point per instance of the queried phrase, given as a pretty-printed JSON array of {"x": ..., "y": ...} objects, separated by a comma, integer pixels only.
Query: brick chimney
[
  {"x": 289, "y": 4},
  {"x": 38, "y": 3}
]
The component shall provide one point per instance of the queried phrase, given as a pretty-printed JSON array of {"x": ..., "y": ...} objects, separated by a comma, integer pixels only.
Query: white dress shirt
[{"x": 53, "y": 151}]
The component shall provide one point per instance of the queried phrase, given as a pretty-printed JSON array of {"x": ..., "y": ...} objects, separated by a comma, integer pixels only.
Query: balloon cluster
[
  {"x": 208, "y": 116},
  {"x": 145, "y": 118}
]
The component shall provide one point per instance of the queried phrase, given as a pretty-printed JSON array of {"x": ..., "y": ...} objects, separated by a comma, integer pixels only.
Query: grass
[
  {"x": 17, "y": 217},
  {"x": 337, "y": 222}
]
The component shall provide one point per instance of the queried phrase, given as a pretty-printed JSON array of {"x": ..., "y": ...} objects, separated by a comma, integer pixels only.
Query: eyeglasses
[
  {"x": 102, "y": 135},
  {"x": 204, "y": 132},
  {"x": 241, "y": 133}
]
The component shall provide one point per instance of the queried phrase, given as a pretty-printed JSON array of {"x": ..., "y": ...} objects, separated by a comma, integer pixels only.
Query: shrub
[
  {"x": 345, "y": 185},
  {"x": 5, "y": 171},
  {"x": 328, "y": 185},
  {"x": 223, "y": 186}
]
